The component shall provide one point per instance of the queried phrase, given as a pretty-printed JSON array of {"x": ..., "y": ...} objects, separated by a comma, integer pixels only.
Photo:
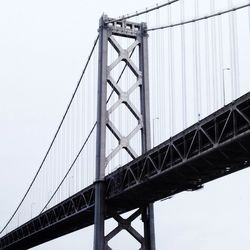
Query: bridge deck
[{"x": 214, "y": 147}]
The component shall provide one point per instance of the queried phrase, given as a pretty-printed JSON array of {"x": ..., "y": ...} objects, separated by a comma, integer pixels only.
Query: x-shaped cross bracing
[
  {"x": 124, "y": 98},
  {"x": 125, "y": 224}
]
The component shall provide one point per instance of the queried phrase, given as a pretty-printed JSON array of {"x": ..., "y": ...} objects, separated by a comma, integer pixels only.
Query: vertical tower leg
[
  {"x": 149, "y": 228},
  {"x": 99, "y": 216},
  {"x": 149, "y": 232},
  {"x": 101, "y": 139}
]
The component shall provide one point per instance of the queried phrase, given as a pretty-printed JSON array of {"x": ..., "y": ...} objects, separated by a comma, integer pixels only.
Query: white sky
[{"x": 43, "y": 46}]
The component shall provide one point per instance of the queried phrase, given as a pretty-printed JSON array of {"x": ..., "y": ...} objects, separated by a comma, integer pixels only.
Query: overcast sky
[{"x": 43, "y": 47}]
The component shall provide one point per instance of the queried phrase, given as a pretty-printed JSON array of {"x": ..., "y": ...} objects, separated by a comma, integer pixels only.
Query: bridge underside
[{"x": 216, "y": 146}]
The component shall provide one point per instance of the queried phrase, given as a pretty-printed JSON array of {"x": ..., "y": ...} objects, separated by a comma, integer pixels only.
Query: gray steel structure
[
  {"x": 109, "y": 30},
  {"x": 214, "y": 147}
]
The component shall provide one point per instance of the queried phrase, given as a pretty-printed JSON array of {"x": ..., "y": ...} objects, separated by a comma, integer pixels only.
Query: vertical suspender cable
[
  {"x": 54, "y": 166},
  {"x": 155, "y": 69},
  {"x": 234, "y": 52},
  {"x": 165, "y": 87},
  {"x": 171, "y": 75},
  {"x": 221, "y": 59},
  {"x": 54, "y": 170},
  {"x": 194, "y": 57},
  {"x": 81, "y": 173},
  {"x": 158, "y": 72},
  {"x": 249, "y": 17},
  {"x": 63, "y": 157},
  {"x": 183, "y": 67},
  {"x": 214, "y": 57},
  {"x": 154, "y": 76},
  {"x": 72, "y": 120},
  {"x": 57, "y": 176},
  {"x": 231, "y": 52},
  {"x": 73, "y": 181},
  {"x": 78, "y": 119},
  {"x": 58, "y": 163},
  {"x": 77, "y": 140},
  {"x": 121, "y": 124},
  {"x": 124, "y": 84},
  {"x": 51, "y": 172},
  {"x": 207, "y": 64},
  {"x": 196, "y": 51},
  {"x": 199, "y": 90},
  {"x": 160, "y": 135},
  {"x": 68, "y": 151}
]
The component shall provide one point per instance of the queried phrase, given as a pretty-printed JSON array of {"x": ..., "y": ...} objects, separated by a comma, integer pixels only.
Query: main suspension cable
[
  {"x": 139, "y": 13},
  {"x": 55, "y": 136},
  {"x": 199, "y": 19}
]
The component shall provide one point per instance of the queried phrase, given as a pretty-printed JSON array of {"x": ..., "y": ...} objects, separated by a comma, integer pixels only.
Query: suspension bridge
[{"x": 176, "y": 74}]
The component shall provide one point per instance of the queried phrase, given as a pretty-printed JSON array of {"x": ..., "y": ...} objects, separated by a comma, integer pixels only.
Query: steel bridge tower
[{"x": 109, "y": 31}]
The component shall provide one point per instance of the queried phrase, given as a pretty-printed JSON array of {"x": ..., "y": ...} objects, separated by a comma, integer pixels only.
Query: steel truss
[{"x": 214, "y": 147}]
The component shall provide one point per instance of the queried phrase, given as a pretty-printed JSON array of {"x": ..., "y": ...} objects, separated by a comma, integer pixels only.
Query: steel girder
[
  {"x": 46, "y": 224},
  {"x": 216, "y": 146}
]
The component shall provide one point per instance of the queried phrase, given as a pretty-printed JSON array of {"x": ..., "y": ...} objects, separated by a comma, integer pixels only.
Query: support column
[
  {"x": 148, "y": 215},
  {"x": 149, "y": 230},
  {"x": 101, "y": 139}
]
